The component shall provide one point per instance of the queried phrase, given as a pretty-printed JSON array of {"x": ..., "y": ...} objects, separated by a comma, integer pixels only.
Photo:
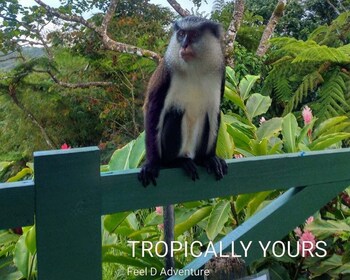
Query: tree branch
[
  {"x": 177, "y": 7},
  {"x": 230, "y": 37},
  {"x": 108, "y": 16},
  {"x": 108, "y": 43},
  {"x": 72, "y": 18},
  {"x": 334, "y": 7},
  {"x": 29, "y": 114},
  {"x": 76, "y": 85},
  {"x": 270, "y": 27}
]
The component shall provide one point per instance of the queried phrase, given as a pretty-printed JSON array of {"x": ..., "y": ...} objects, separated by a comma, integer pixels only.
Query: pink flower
[
  {"x": 65, "y": 146},
  {"x": 262, "y": 120},
  {"x": 307, "y": 115},
  {"x": 309, "y": 220},
  {"x": 298, "y": 232},
  {"x": 159, "y": 210},
  {"x": 238, "y": 156},
  {"x": 307, "y": 244}
]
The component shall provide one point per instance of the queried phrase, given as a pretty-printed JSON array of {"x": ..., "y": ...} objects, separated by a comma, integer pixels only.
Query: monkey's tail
[{"x": 169, "y": 224}]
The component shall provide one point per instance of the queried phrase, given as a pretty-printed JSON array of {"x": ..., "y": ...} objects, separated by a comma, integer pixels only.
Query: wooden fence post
[{"x": 68, "y": 214}]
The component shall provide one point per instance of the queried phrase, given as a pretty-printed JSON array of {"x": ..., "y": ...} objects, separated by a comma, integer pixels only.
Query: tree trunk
[
  {"x": 270, "y": 28},
  {"x": 237, "y": 17},
  {"x": 177, "y": 7}
]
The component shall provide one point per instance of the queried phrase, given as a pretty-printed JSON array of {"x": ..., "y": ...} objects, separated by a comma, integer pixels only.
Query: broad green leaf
[
  {"x": 269, "y": 128},
  {"x": 323, "y": 229},
  {"x": 323, "y": 267},
  {"x": 239, "y": 138},
  {"x": 120, "y": 158},
  {"x": 7, "y": 237},
  {"x": 342, "y": 270},
  {"x": 224, "y": 145},
  {"x": 275, "y": 146},
  {"x": 136, "y": 235},
  {"x": 217, "y": 219},
  {"x": 104, "y": 168},
  {"x": 20, "y": 175},
  {"x": 156, "y": 262},
  {"x": 257, "y": 104},
  {"x": 194, "y": 219},
  {"x": 346, "y": 257},
  {"x": 231, "y": 75},
  {"x": 192, "y": 204},
  {"x": 153, "y": 219},
  {"x": 242, "y": 201},
  {"x": 259, "y": 148},
  {"x": 21, "y": 257},
  {"x": 129, "y": 156},
  {"x": 289, "y": 132},
  {"x": 278, "y": 272},
  {"x": 325, "y": 141},
  {"x": 246, "y": 85},
  {"x": 31, "y": 240},
  {"x": 5, "y": 164},
  {"x": 229, "y": 119},
  {"x": 304, "y": 131},
  {"x": 243, "y": 152},
  {"x": 258, "y": 198},
  {"x": 132, "y": 221},
  {"x": 125, "y": 260},
  {"x": 234, "y": 97},
  {"x": 328, "y": 125},
  {"x": 4, "y": 275},
  {"x": 111, "y": 222},
  {"x": 138, "y": 151}
]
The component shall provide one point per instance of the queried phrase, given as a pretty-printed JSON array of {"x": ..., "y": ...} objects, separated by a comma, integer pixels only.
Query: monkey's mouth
[{"x": 187, "y": 54}]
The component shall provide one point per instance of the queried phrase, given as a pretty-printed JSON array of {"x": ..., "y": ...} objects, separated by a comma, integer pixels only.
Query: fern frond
[
  {"x": 332, "y": 101},
  {"x": 309, "y": 83},
  {"x": 319, "y": 33},
  {"x": 321, "y": 54},
  {"x": 289, "y": 47},
  {"x": 345, "y": 49},
  {"x": 283, "y": 89}
]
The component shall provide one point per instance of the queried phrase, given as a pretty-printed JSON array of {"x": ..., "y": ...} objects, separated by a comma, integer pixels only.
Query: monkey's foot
[
  {"x": 189, "y": 166},
  {"x": 148, "y": 174},
  {"x": 216, "y": 165}
]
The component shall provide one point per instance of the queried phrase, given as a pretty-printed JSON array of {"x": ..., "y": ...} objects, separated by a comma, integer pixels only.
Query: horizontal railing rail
[{"x": 69, "y": 195}]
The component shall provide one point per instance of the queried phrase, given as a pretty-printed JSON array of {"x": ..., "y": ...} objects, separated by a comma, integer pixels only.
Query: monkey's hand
[
  {"x": 148, "y": 174},
  {"x": 216, "y": 165},
  {"x": 189, "y": 166}
]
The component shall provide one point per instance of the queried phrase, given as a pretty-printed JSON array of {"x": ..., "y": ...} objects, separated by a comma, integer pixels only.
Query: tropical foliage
[
  {"x": 311, "y": 72},
  {"x": 294, "y": 99}
]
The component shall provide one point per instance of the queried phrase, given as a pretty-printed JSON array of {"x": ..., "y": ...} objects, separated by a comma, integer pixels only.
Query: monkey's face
[
  {"x": 187, "y": 39},
  {"x": 196, "y": 42}
]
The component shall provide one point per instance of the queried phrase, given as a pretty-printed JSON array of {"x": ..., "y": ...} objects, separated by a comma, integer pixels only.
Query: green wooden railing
[{"x": 69, "y": 195}]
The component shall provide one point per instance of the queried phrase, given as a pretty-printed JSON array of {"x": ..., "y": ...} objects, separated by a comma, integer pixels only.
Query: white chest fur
[{"x": 197, "y": 96}]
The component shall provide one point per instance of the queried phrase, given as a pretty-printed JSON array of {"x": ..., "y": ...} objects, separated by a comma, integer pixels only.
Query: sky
[{"x": 187, "y": 4}]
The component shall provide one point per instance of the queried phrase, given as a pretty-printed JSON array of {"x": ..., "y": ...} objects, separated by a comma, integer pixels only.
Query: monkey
[{"x": 182, "y": 108}]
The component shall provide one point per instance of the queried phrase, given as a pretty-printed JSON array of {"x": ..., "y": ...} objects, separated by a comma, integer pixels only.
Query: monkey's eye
[
  {"x": 195, "y": 35},
  {"x": 181, "y": 34}
]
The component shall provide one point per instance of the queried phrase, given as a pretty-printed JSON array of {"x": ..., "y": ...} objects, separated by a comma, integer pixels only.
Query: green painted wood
[
  {"x": 16, "y": 204},
  {"x": 247, "y": 175},
  {"x": 68, "y": 214},
  {"x": 273, "y": 222}
]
